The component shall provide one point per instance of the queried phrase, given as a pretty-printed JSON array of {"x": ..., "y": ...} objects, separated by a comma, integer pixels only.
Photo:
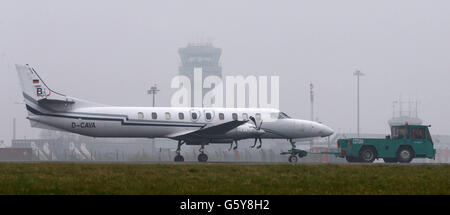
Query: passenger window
[
  {"x": 418, "y": 133},
  {"x": 194, "y": 116},
  {"x": 140, "y": 116},
  {"x": 208, "y": 116},
  {"x": 167, "y": 115},
  {"x": 245, "y": 116},
  {"x": 154, "y": 115},
  {"x": 234, "y": 116},
  {"x": 258, "y": 116},
  {"x": 181, "y": 116},
  {"x": 221, "y": 116}
]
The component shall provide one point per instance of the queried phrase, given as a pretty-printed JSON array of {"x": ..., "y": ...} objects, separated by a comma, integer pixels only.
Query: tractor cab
[{"x": 411, "y": 132}]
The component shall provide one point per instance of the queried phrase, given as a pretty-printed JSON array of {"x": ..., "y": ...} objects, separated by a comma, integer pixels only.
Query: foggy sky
[{"x": 112, "y": 51}]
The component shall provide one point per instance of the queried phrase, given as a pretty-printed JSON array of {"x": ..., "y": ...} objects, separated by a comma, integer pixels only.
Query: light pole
[
  {"x": 153, "y": 90},
  {"x": 358, "y": 74},
  {"x": 311, "y": 91},
  {"x": 14, "y": 128},
  {"x": 15, "y": 123},
  {"x": 311, "y": 94}
]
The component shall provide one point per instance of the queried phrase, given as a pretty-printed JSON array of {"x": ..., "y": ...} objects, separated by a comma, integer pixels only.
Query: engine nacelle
[{"x": 246, "y": 130}]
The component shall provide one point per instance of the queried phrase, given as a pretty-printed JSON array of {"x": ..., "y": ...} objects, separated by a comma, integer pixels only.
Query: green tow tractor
[{"x": 405, "y": 143}]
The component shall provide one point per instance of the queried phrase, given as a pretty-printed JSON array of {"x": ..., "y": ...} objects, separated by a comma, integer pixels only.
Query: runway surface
[{"x": 218, "y": 163}]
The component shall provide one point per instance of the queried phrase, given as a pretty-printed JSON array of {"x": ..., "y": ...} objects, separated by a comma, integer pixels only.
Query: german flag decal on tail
[{"x": 35, "y": 81}]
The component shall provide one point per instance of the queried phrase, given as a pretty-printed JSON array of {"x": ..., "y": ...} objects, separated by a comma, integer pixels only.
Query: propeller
[
  {"x": 254, "y": 122},
  {"x": 257, "y": 128}
]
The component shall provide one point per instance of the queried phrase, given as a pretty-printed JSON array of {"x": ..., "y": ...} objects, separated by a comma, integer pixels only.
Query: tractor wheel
[
  {"x": 405, "y": 155},
  {"x": 367, "y": 154}
]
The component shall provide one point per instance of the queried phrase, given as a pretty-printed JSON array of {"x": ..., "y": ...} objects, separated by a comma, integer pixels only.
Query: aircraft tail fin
[
  {"x": 39, "y": 98},
  {"x": 33, "y": 87}
]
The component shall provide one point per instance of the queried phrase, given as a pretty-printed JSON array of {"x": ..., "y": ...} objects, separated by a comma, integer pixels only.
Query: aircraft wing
[{"x": 207, "y": 131}]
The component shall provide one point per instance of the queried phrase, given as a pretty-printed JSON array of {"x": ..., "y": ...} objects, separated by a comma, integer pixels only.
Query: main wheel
[
  {"x": 367, "y": 154},
  {"x": 405, "y": 155},
  {"x": 202, "y": 157},
  {"x": 293, "y": 159},
  {"x": 179, "y": 158},
  {"x": 390, "y": 160}
]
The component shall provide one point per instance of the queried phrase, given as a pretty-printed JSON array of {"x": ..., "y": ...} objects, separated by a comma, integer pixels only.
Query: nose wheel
[{"x": 293, "y": 159}]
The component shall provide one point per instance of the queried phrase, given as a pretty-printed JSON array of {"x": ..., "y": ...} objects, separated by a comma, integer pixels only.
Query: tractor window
[
  {"x": 400, "y": 132},
  {"x": 418, "y": 133}
]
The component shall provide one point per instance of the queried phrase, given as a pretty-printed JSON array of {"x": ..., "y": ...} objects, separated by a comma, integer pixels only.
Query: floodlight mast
[
  {"x": 153, "y": 90},
  {"x": 311, "y": 93},
  {"x": 357, "y": 74}
]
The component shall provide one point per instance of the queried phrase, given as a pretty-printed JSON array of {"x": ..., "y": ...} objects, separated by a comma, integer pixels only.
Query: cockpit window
[{"x": 283, "y": 116}]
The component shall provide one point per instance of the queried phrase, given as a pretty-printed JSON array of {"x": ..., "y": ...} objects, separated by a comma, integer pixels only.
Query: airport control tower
[{"x": 200, "y": 55}]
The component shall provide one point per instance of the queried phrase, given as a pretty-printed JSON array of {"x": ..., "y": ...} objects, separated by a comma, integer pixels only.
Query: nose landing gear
[{"x": 294, "y": 153}]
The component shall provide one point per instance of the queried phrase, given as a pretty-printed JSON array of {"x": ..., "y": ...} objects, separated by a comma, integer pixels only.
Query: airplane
[{"x": 48, "y": 109}]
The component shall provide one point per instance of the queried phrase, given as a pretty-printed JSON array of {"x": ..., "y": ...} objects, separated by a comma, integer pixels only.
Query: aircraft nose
[
  {"x": 328, "y": 131},
  {"x": 325, "y": 131}
]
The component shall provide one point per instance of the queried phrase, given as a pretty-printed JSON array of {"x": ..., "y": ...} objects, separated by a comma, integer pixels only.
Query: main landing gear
[
  {"x": 231, "y": 145},
  {"x": 202, "y": 157},
  {"x": 179, "y": 157},
  {"x": 293, "y": 153}
]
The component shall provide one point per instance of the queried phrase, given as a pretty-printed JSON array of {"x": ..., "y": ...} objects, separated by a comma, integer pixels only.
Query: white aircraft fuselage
[{"x": 194, "y": 126}]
